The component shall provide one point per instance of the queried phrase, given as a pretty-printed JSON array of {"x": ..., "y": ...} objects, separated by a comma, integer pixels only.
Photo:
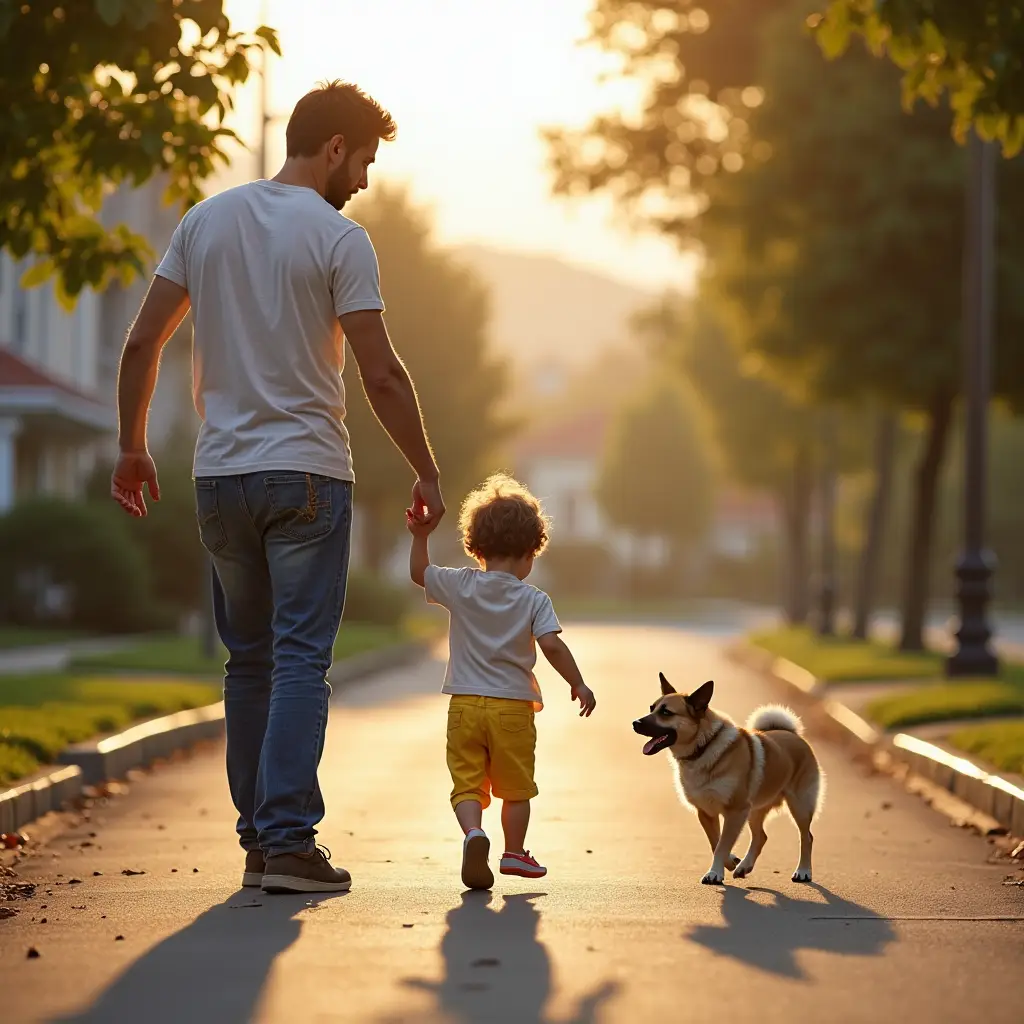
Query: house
[
  {"x": 560, "y": 463},
  {"x": 58, "y": 370}
]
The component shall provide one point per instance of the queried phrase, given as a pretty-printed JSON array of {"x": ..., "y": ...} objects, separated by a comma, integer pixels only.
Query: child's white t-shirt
[{"x": 495, "y": 621}]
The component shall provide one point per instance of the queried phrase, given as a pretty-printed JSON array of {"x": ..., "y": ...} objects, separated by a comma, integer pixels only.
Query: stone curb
[
  {"x": 47, "y": 790},
  {"x": 112, "y": 757},
  {"x": 992, "y": 795}
]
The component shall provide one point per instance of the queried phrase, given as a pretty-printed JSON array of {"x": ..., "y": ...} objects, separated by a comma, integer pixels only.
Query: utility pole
[{"x": 974, "y": 655}]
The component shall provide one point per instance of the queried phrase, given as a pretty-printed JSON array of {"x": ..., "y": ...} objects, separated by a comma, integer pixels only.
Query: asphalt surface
[{"x": 905, "y": 919}]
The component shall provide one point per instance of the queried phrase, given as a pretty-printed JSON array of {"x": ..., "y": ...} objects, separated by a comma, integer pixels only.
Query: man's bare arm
[
  {"x": 165, "y": 305},
  {"x": 163, "y": 309},
  {"x": 392, "y": 397}
]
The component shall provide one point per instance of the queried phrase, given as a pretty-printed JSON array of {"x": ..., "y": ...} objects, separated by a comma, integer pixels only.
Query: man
[{"x": 274, "y": 277}]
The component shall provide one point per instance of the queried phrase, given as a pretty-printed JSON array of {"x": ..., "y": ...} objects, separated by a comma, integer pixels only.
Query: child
[{"x": 497, "y": 622}]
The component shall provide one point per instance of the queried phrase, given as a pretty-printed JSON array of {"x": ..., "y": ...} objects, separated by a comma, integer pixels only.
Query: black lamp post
[{"x": 974, "y": 655}]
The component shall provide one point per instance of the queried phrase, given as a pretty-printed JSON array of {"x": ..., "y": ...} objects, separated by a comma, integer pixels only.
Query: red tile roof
[
  {"x": 16, "y": 373},
  {"x": 580, "y": 437}
]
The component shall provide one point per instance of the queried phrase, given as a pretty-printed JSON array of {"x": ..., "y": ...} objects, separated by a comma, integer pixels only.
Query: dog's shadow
[
  {"x": 496, "y": 969},
  {"x": 769, "y": 935}
]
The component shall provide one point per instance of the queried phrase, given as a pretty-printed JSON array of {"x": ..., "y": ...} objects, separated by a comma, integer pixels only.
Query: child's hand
[
  {"x": 585, "y": 696},
  {"x": 416, "y": 526}
]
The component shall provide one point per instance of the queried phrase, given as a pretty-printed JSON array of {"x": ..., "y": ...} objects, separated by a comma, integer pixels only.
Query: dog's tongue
[{"x": 652, "y": 745}]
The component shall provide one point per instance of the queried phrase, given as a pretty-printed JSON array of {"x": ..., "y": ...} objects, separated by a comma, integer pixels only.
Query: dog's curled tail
[{"x": 775, "y": 716}]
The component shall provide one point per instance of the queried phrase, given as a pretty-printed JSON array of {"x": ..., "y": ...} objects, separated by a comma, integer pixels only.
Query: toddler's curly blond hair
[{"x": 502, "y": 519}]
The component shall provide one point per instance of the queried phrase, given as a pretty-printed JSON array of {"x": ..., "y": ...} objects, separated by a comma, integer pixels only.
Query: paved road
[{"x": 620, "y": 930}]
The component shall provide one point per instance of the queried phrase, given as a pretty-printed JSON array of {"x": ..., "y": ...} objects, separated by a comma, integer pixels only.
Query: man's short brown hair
[
  {"x": 502, "y": 519},
  {"x": 337, "y": 108}
]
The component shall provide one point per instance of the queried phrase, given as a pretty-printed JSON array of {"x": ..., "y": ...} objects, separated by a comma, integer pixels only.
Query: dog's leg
[
  {"x": 758, "y": 837},
  {"x": 732, "y": 826},
  {"x": 802, "y": 810},
  {"x": 709, "y": 822}
]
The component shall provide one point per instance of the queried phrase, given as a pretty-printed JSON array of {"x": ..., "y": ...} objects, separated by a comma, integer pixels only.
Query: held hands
[
  {"x": 585, "y": 696},
  {"x": 132, "y": 471},
  {"x": 427, "y": 508}
]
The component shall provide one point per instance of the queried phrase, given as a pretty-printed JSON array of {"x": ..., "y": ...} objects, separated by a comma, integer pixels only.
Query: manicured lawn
[
  {"x": 941, "y": 701},
  {"x": 183, "y": 655},
  {"x": 840, "y": 659},
  {"x": 999, "y": 743},
  {"x": 41, "y": 714},
  {"x": 12, "y": 637}
]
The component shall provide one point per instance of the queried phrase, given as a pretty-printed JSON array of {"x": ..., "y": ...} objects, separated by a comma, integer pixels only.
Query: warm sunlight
[{"x": 470, "y": 84}]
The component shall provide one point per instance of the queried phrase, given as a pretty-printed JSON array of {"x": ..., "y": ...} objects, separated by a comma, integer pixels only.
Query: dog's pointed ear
[
  {"x": 701, "y": 697},
  {"x": 666, "y": 686}
]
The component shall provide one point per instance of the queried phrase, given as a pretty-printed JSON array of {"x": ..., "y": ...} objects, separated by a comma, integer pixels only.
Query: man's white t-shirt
[
  {"x": 495, "y": 621},
  {"x": 269, "y": 268}
]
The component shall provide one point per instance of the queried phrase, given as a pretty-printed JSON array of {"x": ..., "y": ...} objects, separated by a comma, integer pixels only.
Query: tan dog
[{"x": 740, "y": 775}]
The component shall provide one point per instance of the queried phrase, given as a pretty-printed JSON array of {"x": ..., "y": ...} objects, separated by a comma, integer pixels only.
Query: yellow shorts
[{"x": 491, "y": 747}]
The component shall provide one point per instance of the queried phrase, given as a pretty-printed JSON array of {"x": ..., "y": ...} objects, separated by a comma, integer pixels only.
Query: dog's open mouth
[{"x": 661, "y": 738}]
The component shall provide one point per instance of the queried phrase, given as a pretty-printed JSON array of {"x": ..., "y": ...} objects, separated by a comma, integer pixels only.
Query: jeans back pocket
[
  {"x": 300, "y": 504},
  {"x": 211, "y": 527}
]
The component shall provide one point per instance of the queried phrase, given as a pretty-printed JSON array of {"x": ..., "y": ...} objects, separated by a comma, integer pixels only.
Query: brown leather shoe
[
  {"x": 304, "y": 872},
  {"x": 254, "y": 864}
]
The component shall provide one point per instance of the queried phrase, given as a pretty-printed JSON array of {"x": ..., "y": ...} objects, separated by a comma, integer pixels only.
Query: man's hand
[
  {"x": 427, "y": 503},
  {"x": 585, "y": 696},
  {"x": 132, "y": 471}
]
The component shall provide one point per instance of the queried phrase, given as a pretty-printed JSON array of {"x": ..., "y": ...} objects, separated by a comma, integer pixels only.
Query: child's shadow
[
  {"x": 496, "y": 969},
  {"x": 769, "y": 936}
]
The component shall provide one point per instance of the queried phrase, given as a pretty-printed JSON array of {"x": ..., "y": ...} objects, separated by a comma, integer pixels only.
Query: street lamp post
[{"x": 974, "y": 655}]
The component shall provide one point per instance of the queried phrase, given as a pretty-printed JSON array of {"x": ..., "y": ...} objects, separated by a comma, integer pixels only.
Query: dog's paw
[
  {"x": 731, "y": 861},
  {"x": 802, "y": 875},
  {"x": 742, "y": 869},
  {"x": 713, "y": 877}
]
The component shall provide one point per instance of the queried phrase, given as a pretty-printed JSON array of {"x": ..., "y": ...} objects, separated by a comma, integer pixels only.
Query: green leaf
[
  {"x": 39, "y": 273},
  {"x": 269, "y": 36}
]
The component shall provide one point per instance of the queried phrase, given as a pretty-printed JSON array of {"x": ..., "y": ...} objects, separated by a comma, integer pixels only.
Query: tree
[
  {"x": 973, "y": 53},
  {"x": 101, "y": 93},
  {"x": 698, "y": 67},
  {"x": 437, "y": 315},
  {"x": 656, "y": 478},
  {"x": 764, "y": 438},
  {"x": 829, "y": 243}
]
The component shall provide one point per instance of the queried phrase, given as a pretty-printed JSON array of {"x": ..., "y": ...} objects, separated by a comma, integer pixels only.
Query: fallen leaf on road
[
  {"x": 42, "y": 920},
  {"x": 96, "y": 874},
  {"x": 33, "y": 953},
  {"x": 486, "y": 961},
  {"x": 195, "y": 871},
  {"x": 406, "y": 925},
  {"x": 119, "y": 938},
  {"x": 129, "y": 871},
  {"x": 74, "y": 881}
]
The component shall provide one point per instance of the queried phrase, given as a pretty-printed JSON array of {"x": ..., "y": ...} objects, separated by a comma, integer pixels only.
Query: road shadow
[
  {"x": 214, "y": 970},
  {"x": 768, "y": 936},
  {"x": 496, "y": 969}
]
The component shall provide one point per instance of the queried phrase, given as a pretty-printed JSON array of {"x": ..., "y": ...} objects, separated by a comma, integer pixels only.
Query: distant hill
[{"x": 544, "y": 308}]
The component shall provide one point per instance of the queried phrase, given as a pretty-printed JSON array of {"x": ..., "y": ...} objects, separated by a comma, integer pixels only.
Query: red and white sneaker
[{"x": 521, "y": 864}]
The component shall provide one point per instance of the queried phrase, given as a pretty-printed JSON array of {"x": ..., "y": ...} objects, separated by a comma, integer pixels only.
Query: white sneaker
[{"x": 476, "y": 873}]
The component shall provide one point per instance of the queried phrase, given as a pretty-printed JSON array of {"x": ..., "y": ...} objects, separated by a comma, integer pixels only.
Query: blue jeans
[{"x": 280, "y": 548}]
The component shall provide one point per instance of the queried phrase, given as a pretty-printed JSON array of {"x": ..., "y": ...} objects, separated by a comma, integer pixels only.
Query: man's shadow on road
[
  {"x": 213, "y": 970},
  {"x": 768, "y": 936},
  {"x": 495, "y": 967}
]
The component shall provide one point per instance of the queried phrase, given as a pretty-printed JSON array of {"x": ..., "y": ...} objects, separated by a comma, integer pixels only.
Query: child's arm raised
[
  {"x": 562, "y": 661},
  {"x": 419, "y": 554}
]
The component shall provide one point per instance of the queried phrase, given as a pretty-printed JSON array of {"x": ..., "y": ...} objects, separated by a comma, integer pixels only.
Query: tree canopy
[
  {"x": 971, "y": 52},
  {"x": 100, "y": 93},
  {"x": 437, "y": 315}
]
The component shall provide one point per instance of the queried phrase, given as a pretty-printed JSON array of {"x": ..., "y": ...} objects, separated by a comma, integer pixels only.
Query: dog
[{"x": 738, "y": 775}]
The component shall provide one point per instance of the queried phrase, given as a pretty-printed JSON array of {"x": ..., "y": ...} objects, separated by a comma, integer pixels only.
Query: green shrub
[
  {"x": 73, "y": 565},
  {"x": 375, "y": 601}
]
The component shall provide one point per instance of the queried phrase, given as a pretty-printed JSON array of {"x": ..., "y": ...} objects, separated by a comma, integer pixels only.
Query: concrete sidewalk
[{"x": 906, "y": 919}]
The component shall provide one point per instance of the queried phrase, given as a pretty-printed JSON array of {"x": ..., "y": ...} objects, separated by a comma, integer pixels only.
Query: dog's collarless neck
[{"x": 701, "y": 747}]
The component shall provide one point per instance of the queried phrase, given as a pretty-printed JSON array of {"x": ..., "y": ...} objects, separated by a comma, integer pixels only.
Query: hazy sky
[{"x": 469, "y": 82}]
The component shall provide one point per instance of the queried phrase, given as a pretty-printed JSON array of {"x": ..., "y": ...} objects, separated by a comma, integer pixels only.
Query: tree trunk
[
  {"x": 796, "y": 511},
  {"x": 874, "y": 531},
  {"x": 922, "y": 523},
  {"x": 829, "y": 482}
]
